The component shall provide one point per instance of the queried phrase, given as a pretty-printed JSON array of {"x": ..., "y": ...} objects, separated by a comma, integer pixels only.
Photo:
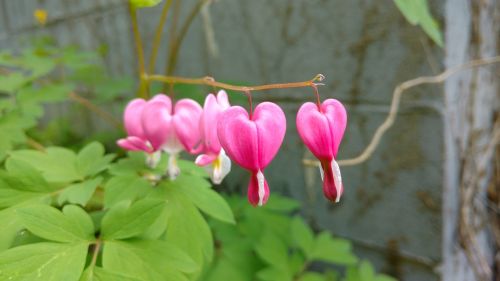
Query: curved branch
[{"x": 396, "y": 98}]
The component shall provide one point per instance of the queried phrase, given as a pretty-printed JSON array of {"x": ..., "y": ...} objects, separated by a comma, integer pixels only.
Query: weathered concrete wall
[{"x": 391, "y": 207}]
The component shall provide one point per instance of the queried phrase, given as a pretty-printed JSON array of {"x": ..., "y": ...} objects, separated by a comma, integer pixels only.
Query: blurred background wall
[{"x": 391, "y": 209}]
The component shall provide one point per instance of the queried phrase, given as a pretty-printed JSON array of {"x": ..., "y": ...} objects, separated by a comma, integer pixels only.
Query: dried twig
[{"x": 92, "y": 107}]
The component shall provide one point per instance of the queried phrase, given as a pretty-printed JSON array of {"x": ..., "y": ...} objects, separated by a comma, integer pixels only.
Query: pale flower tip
[
  {"x": 173, "y": 169},
  {"x": 152, "y": 159}
]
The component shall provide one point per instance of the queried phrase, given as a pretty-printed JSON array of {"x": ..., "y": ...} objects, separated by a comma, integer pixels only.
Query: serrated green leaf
[
  {"x": 302, "y": 235},
  {"x": 101, "y": 274},
  {"x": 281, "y": 204},
  {"x": 195, "y": 237},
  {"x": 123, "y": 221},
  {"x": 82, "y": 221},
  {"x": 12, "y": 82},
  {"x": 334, "y": 250},
  {"x": 47, "y": 93},
  {"x": 79, "y": 193},
  {"x": 272, "y": 250},
  {"x": 25, "y": 177},
  {"x": 126, "y": 187},
  {"x": 10, "y": 195},
  {"x": 11, "y": 225},
  {"x": 273, "y": 274},
  {"x": 366, "y": 271},
  {"x": 312, "y": 276},
  {"x": 91, "y": 160},
  {"x": 43, "y": 261},
  {"x": 145, "y": 264},
  {"x": 57, "y": 164},
  {"x": 132, "y": 164},
  {"x": 49, "y": 223},
  {"x": 199, "y": 192}
]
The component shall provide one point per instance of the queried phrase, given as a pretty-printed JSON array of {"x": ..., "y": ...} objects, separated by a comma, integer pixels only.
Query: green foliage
[
  {"x": 417, "y": 12},
  {"x": 45, "y": 74},
  {"x": 268, "y": 244}
]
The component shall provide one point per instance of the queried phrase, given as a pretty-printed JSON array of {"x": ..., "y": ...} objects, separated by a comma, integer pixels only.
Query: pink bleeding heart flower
[
  {"x": 136, "y": 139},
  {"x": 213, "y": 158},
  {"x": 172, "y": 130},
  {"x": 252, "y": 142},
  {"x": 322, "y": 128}
]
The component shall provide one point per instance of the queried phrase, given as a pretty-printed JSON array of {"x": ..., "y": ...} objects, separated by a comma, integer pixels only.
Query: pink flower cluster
[{"x": 219, "y": 132}]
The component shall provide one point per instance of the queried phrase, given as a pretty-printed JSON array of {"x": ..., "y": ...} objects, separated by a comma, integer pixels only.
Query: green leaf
[
  {"x": 417, "y": 12},
  {"x": 145, "y": 3},
  {"x": 123, "y": 222},
  {"x": 134, "y": 163},
  {"x": 190, "y": 168},
  {"x": 273, "y": 274},
  {"x": 126, "y": 187},
  {"x": 12, "y": 193},
  {"x": 49, "y": 223},
  {"x": 43, "y": 261},
  {"x": 272, "y": 250},
  {"x": 46, "y": 93},
  {"x": 79, "y": 193},
  {"x": 281, "y": 204},
  {"x": 11, "y": 225},
  {"x": 83, "y": 222},
  {"x": 302, "y": 235},
  {"x": 12, "y": 82},
  {"x": 334, "y": 250},
  {"x": 312, "y": 276},
  {"x": 57, "y": 164},
  {"x": 366, "y": 271},
  {"x": 91, "y": 160},
  {"x": 26, "y": 177},
  {"x": 195, "y": 237},
  {"x": 101, "y": 274},
  {"x": 199, "y": 192},
  {"x": 145, "y": 260}
]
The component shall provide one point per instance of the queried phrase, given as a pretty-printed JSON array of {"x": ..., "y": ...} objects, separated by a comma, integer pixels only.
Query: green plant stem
[
  {"x": 95, "y": 253},
  {"x": 34, "y": 144},
  {"x": 176, "y": 43},
  {"x": 142, "y": 92},
  {"x": 157, "y": 38}
]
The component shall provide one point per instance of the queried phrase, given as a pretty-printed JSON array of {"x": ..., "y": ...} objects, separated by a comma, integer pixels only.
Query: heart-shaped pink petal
[
  {"x": 270, "y": 121},
  {"x": 157, "y": 123},
  {"x": 132, "y": 118},
  {"x": 252, "y": 143},
  {"x": 186, "y": 122},
  {"x": 337, "y": 120},
  {"x": 322, "y": 131},
  {"x": 238, "y": 136},
  {"x": 134, "y": 144}
]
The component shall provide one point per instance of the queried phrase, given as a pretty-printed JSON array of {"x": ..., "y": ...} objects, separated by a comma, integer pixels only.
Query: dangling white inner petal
[
  {"x": 152, "y": 159},
  {"x": 221, "y": 167},
  {"x": 337, "y": 178},
  {"x": 321, "y": 172},
  {"x": 262, "y": 190},
  {"x": 172, "y": 169}
]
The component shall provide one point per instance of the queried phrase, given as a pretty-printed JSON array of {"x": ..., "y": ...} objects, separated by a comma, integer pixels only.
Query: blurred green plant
[
  {"x": 417, "y": 12},
  {"x": 270, "y": 243},
  {"x": 46, "y": 74}
]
